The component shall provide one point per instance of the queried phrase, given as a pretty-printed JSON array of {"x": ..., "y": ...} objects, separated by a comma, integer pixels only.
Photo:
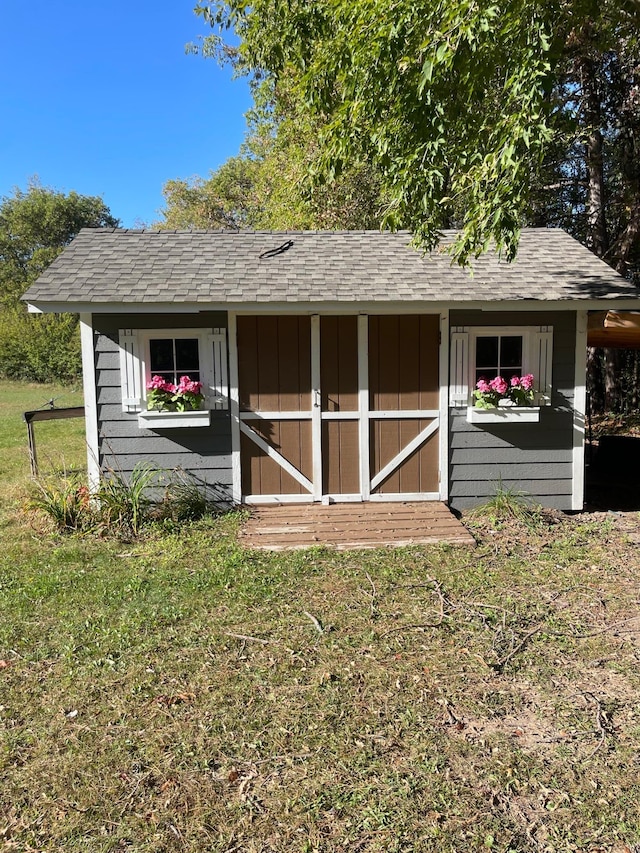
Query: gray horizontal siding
[
  {"x": 508, "y": 456},
  {"x": 534, "y": 459},
  {"x": 204, "y": 452}
]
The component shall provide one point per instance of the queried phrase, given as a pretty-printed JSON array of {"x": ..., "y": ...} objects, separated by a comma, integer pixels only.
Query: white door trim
[
  {"x": 363, "y": 405},
  {"x": 316, "y": 408}
]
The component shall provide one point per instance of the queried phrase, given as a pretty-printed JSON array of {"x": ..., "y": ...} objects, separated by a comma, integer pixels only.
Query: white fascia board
[
  {"x": 338, "y": 308},
  {"x": 119, "y": 308}
]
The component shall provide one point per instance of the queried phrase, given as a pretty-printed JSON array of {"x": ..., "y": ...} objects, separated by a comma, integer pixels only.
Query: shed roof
[{"x": 128, "y": 267}]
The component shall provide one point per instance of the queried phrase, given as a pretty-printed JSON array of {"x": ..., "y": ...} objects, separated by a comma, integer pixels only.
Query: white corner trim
[
  {"x": 443, "y": 437},
  {"x": 579, "y": 411},
  {"x": 90, "y": 400},
  {"x": 234, "y": 406}
]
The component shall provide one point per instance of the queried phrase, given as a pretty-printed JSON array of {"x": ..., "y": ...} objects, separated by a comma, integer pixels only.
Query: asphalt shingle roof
[{"x": 109, "y": 266}]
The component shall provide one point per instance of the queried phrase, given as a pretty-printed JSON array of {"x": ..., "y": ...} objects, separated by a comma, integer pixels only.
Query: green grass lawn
[{"x": 173, "y": 693}]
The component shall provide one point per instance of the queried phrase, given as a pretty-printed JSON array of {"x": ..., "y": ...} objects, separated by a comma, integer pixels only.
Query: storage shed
[{"x": 337, "y": 366}]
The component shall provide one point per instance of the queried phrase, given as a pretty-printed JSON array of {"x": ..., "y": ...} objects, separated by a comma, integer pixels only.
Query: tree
[
  {"x": 452, "y": 103},
  {"x": 35, "y": 225},
  {"x": 266, "y": 185}
]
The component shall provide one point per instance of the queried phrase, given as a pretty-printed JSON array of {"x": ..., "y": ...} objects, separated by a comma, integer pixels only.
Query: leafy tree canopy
[
  {"x": 35, "y": 225},
  {"x": 266, "y": 185},
  {"x": 450, "y": 103}
]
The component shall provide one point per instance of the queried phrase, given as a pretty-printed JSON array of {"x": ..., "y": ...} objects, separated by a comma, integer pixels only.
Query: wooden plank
[
  {"x": 339, "y": 363},
  {"x": 53, "y": 414},
  {"x": 287, "y": 353},
  {"x": 346, "y": 532},
  {"x": 267, "y": 338},
  {"x": 340, "y": 454},
  {"x": 344, "y": 526},
  {"x": 248, "y": 385},
  {"x": 429, "y": 361},
  {"x": 373, "y": 511}
]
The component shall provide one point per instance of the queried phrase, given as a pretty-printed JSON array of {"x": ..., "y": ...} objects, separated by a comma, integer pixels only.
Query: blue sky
[{"x": 100, "y": 97}]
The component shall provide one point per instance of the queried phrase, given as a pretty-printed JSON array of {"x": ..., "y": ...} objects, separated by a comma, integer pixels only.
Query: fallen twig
[
  {"x": 247, "y": 637},
  {"x": 373, "y": 595},
  {"x": 500, "y": 665},
  {"x": 602, "y": 723},
  {"x": 316, "y": 622}
]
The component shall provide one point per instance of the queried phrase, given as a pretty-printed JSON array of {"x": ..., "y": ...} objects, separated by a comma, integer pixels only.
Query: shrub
[{"x": 39, "y": 348}]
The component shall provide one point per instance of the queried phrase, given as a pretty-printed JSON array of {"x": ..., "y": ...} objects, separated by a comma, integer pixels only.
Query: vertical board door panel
[
  {"x": 404, "y": 376},
  {"x": 274, "y": 363},
  {"x": 274, "y": 375},
  {"x": 417, "y": 473},
  {"x": 340, "y": 457},
  {"x": 262, "y": 475},
  {"x": 339, "y": 364},
  {"x": 403, "y": 362},
  {"x": 399, "y": 373}
]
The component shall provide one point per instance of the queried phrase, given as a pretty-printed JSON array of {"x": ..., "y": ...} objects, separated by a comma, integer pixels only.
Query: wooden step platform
[{"x": 352, "y": 525}]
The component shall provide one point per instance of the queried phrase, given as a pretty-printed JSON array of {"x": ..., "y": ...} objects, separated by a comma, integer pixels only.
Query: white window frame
[
  {"x": 537, "y": 358},
  {"x": 135, "y": 371}
]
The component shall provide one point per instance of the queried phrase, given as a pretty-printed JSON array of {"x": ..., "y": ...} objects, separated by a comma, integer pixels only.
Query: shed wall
[
  {"x": 204, "y": 452},
  {"x": 532, "y": 458}
]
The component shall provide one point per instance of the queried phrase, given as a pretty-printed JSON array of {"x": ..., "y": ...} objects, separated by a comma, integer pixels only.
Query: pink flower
[
  {"x": 527, "y": 381},
  {"x": 189, "y": 385},
  {"x": 157, "y": 383},
  {"x": 483, "y": 386},
  {"x": 499, "y": 385},
  {"x": 515, "y": 381}
]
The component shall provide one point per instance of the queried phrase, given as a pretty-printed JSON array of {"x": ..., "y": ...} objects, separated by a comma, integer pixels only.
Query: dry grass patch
[{"x": 182, "y": 693}]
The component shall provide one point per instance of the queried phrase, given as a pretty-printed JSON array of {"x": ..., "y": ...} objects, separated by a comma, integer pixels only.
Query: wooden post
[{"x": 45, "y": 415}]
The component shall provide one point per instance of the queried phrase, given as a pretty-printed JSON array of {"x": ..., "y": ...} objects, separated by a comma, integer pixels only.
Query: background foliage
[
  {"x": 35, "y": 225},
  {"x": 431, "y": 115}
]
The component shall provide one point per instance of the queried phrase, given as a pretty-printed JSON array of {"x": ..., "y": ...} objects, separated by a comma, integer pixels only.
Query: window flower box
[
  {"x": 504, "y": 415},
  {"x": 169, "y": 420}
]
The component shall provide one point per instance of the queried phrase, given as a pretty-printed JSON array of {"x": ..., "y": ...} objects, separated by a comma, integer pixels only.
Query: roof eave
[{"x": 621, "y": 302}]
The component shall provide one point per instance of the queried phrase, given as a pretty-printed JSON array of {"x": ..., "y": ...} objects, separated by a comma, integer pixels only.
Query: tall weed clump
[
  {"x": 67, "y": 503},
  {"x": 124, "y": 505}
]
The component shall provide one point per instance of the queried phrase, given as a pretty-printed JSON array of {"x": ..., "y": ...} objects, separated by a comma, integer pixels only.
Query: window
[
  {"x": 200, "y": 354},
  {"x": 172, "y": 358},
  {"x": 498, "y": 355},
  {"x": 489, "y": 351}
]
